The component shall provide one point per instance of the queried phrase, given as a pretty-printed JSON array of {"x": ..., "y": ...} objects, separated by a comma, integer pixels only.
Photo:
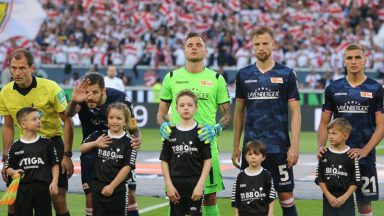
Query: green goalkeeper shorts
[{"x": 214, "y": 182}]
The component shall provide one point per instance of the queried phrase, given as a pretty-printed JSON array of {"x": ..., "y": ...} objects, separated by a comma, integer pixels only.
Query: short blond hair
[{"x": 340, "y": 124}]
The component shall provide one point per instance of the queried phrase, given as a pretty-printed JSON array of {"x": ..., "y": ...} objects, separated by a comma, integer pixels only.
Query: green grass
[
  {"x": 151, "y": 141},
  {"x": 76, "y": 204}
]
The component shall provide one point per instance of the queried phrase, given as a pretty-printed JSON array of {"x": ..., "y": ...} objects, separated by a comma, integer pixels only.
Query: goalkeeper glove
[
  {"x": 165, "y": 130},
  {"x": 208, "y": 132}
]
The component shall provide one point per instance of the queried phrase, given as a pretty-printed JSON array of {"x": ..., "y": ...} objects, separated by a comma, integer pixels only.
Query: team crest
[
  {"x": 366, "y": 94},
  {"x": 206, "y": 83},
  {"x": 4, "y": 13},
  {"x": 276, "y": 80}
]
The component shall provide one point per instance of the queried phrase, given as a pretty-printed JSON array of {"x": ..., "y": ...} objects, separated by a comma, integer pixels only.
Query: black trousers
[{"x": 33, "y": 197}]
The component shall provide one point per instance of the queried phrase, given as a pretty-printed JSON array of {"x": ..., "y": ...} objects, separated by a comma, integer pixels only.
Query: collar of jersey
[
  {"x": 339, "y": 152},
  {"x": 29, "y": 141},
  {"x": 25, "y": 91},
  {"x": 186, "y": 129},
  {"x": 115, "y": 136},
  {"x": 253, "y": 174}
]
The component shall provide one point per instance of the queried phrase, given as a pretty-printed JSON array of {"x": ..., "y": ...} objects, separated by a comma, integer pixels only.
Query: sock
[
  {"x": 365, "y": 213},
  {"x": 88, "y": 211},
  {"x": 289, "y": 207},
  {"x": 212, "y": 210}
]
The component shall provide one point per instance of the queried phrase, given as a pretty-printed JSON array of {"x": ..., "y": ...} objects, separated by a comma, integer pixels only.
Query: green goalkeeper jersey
[{"x": 209, "y": 87}]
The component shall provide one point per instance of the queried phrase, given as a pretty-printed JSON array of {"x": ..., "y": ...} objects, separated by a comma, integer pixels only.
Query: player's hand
[
  {"x": 208, "y": 132},
  {"x": 165, "y": 130},
  {"x": 320, "y": 152},
  {"x": 197, "y": 193},
  {"x": 341, "y": 200},
  {"x": 103, "y": 141},
  {"x": 236, "y": 158},
  {"x": 135, "y": 142},
  {"x": 107, "y": 190},
  {"x": 79, "y": 93},
  {"x": 4, "y": 174},
  {"x": 357, "y": 153},
  {"x": 67, "y": 166},
  {"x": 292, "y": 156},
  {"x": 53, "y": 189},
  {"x": 333, "y": 201},
  {"x": 173, "y": 195}
]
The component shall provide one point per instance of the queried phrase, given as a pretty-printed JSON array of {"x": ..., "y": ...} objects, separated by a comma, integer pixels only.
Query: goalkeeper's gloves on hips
[
  {"x": 208, "y": 132},
  {"x": 165, "y": 130}
]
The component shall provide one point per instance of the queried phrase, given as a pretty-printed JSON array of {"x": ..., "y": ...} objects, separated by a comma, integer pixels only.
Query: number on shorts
[
  {"x": 366, "y": 180},
  {"x": 284, "y": 176}
]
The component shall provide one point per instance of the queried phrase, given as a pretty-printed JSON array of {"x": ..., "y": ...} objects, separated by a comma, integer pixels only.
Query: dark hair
[
  {"x": 127, "y": 114},
  {"x": 95, "y": 78},
  {"x": 19, "y": 53},
  {"x": 340, "y": 124},
  {"x": 186, "y": 92},
  {"x": 355, "y": 46},
  {"x": 194, "y": 34},
  {"x": 23, "y": 112},
  {"x": 260, "y": 31},
  {"x": 256, "y": 147}
]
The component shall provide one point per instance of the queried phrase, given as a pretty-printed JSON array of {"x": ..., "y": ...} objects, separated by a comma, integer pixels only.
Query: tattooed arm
[{"x": 226, "y": 120}]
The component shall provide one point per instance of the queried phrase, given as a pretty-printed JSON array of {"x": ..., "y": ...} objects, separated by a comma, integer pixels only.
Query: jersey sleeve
[
  {"x": 165, "y": 154},
  {"x": 205, "y": 150},
  {"x": 293, "y": 93},
  {"x": 319, "y": 171},
  {"x": 355, "y": 170},
  {"x": 3, "y": 108},
  {"x": 59, "y": 98},
  {"x": 52, "y": 154},
  {"x": 130, "y": 158},
  {"x": 11, "y": 162},
  {"x": 379, "y": 100},
  {"x": 272, "y": 191},
  {"x": 222, "y": 91},
  {"x": 235, "y": 197},
  {"x": 239, "y": 88},
  {"x": 92, "y": 137},
  {"x": 328, "y": 103},
  {"x": 166, "y": 91}
]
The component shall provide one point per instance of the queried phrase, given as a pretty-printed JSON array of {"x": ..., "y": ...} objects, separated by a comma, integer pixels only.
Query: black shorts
[
  {"x": 33, "y": 197},
  {"x": 115, "y": 205},
  {"x": 369, "y": 189},
  {"x": 347, "y": 209},
  {"x": 277, "y": 165},
  {"x": 87, "y": 162},
  {"x": 184, "y": 187},
  {"x": 59, "y": 145}
]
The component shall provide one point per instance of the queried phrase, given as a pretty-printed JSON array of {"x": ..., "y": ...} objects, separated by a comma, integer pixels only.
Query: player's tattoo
[
  {"x": 226, "y": 120},
  {"x": 165, "y": 117},
  {"x": 71, "y": 109}
]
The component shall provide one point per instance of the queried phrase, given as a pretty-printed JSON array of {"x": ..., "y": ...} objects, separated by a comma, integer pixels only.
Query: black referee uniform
[
  {"x": 185, "y": 155},
  {"x": 109, "y": 162},
  {"x": 338, "y": 172},
  {"x": 36, "y": 158},
  {"x": 253, "y": 192}
]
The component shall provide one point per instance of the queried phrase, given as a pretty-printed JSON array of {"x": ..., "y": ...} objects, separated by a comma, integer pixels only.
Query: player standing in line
[
  {"x": 185, "y": 160},
  {"x": 211, "y": 91},
  {"x": 266, "y": 90},
  {"x": 253, "y": 192},
  {"x": 358, "y": 99},
  {"x": 45, "y": 95},
  {"x": 338, "y": 175},
  {"x": 115, "y": 158},
  {"x": 90, "y": 99},
  {"x": 35, "y": 159}
]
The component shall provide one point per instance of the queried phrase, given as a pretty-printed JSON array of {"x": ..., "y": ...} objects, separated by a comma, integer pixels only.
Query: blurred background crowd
[{"x": 129, "y": 33}]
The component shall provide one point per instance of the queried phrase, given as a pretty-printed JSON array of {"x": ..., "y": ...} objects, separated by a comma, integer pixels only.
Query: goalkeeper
[
  {"x": 211, "y": 90},
  {"x": 35, "y": 159}
]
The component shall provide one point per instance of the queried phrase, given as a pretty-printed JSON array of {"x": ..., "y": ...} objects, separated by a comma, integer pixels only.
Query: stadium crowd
[{"x": 127, "y": 33}]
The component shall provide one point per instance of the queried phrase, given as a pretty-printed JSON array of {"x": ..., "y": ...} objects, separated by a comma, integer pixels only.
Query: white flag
[{"x": 20, "y": 18}]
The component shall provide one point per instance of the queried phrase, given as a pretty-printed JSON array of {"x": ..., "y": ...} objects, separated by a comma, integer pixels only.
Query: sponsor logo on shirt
[
  {"x": 19, "y": 152},
  {"x": 31, "y": 162},
  {"x": 182, "y": 82},
  {"x": 341, "y": 93},
  {"x": 179, "y": 150},
  {"x": 366, "y": 94},
  {"x": 276, "y": 80},
  {"x": 243, "y": 185},
  {"x": 109, "y": 154},
  {"x": 352, "y": 107},
  {"x": 263, "y": 93},
  {"x": 253, "y": 195},
  {"x": 250, "y": 81},
  {"x": 333, "y": 171},
  {"x": 206, "y": 83}
]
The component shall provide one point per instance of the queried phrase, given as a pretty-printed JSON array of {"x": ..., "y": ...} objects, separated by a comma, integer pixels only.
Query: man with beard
[
  {"x": 211, "y": 91},
  {"x": 266, "y": 90},
  {"x": 90, "y": 99}
]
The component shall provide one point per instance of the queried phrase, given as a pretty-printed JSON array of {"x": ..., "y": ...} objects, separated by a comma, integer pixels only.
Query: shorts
[
  {"x": 59, "y": 145},
  {"x": 347, "y": 209},
  {"x": 369, "y": 189},
  {"x": 186, "y": 206},
  {"x": 277, "y": 165},
  {"x": 87, "y": 162},
  {"x": 38, "y": 201},
  {"x": 114, "y": 205},
  {"x": 214, "y": 182}
]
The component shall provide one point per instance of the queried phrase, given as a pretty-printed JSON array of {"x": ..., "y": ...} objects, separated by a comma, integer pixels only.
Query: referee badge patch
[
  {"x": 366, "y": 94},
  {"x": 276, "y": 80},
  {"x": 61, "y": 96}
]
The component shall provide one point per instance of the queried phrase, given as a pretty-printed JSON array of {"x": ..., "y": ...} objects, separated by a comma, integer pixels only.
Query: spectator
[
  {"x": 112, "y": 81},
  {"x": 312, "y": 79}
]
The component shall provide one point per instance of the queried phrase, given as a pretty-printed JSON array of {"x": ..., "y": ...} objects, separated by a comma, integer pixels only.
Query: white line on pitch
[{"x": 145, "y": 210}]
